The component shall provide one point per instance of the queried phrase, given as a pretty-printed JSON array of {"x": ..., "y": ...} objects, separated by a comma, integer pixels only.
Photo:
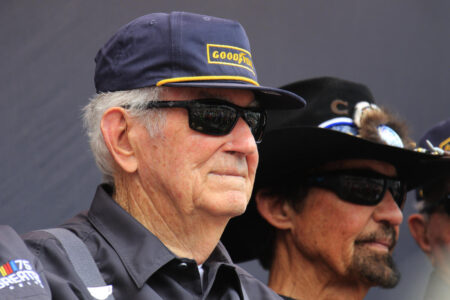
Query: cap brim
[
  {"x": 270, "y": 98},
  {"x": 289, "y": 152}
]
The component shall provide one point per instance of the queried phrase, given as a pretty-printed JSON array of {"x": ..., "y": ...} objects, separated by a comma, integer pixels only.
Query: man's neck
[
  {"x": 297, "y": 277},
  {"x": 193, "y": 236}
]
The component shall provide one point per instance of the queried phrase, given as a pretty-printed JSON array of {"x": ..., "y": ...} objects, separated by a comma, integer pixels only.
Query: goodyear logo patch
[
  {"x": 445, "y": 145},
  {"x": 230, "y": 55},
  {"x": 17, "y": 274}
]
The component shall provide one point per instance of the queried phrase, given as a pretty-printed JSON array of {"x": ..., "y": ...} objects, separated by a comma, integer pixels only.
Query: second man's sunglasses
[
  {"x": 216, "y": 116},
  {"x": 360, "y": 186}
]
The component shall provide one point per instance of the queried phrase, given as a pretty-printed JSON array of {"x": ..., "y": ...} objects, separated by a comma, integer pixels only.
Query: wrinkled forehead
[
  {"x": 381, "y": 167},
  {"x": 237, "y": 96}
]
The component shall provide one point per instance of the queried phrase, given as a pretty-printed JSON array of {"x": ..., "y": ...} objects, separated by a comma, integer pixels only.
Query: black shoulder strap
[{"x": 84, "y": 264}]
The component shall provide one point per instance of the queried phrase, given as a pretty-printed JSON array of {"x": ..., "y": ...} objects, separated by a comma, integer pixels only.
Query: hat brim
[
  {"x": 292, "y": 150},
  {"x": 289, "y": 152},
  {"x": 270, "y": 98}
]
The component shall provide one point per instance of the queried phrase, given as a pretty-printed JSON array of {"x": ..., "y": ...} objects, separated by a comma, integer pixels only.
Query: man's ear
[
  {"x": 273, "y": 209},
  {"x": 115, "y": 125},
  {"x": 418, "y": 228}
]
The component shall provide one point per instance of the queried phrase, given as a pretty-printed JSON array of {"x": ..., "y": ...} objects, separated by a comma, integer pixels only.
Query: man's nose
[
  {"x": 388, "y": 210},
  {"x": 242, "y": 139}
]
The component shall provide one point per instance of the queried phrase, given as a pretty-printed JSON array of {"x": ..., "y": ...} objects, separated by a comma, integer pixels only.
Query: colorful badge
[{"x": 17, "y": 274}]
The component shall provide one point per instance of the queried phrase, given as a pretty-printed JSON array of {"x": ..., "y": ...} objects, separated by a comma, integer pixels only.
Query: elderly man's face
[
  {"x": 351, "y": 241},
  {"x": 437, "y": 230},
  {"x": 196, "y": 173}
]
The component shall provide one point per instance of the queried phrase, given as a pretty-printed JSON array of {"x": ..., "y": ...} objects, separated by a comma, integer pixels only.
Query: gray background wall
[{"x": 400, "y": 49}]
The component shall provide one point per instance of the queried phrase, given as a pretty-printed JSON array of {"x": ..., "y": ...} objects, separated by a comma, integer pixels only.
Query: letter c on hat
[{"x": 339, "y": 107}]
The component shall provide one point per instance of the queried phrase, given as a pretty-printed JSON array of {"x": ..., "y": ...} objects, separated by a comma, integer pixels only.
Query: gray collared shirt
[{"x": 136, "y": 263}]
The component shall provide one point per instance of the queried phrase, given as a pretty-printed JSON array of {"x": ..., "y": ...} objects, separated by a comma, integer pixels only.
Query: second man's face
[{"x": 354, "y": 242}]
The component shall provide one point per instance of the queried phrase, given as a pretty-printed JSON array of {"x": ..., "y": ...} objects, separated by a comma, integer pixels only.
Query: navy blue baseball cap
[
  {"x": 435, "y": 141},
  {"x": 183, "y": 49},
  {"x": 438, "y": 137}
]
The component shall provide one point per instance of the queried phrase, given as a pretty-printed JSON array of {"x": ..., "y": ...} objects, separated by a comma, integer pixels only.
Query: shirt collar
[
  {"x": 141, "y": 252},
  {"x": 220, "y": 254}
]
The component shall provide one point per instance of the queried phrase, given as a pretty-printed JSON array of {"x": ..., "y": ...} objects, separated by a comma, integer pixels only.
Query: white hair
[{"x": 135, "y": 101}]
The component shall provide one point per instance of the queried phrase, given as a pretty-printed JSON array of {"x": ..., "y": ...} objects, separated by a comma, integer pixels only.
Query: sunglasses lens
[
  {"x": 219, "y": 119},
  {"x": 256, "y": 122},
  {"x": 216, "y": 116},
  {"x": 397, "y": 190},
  {"x": 213, "y": 119},
  {"x": 362, "y": 190}
]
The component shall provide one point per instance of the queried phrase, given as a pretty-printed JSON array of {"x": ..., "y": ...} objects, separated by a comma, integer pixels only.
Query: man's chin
[
  {"x": 230, "y": 204},
  {"x": 377, "y": 268}
]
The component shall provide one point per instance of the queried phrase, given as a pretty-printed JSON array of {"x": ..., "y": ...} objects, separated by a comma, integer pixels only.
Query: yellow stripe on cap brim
[{"x": 205, "y": 78}]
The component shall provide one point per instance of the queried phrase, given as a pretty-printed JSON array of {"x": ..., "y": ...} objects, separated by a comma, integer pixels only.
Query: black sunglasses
[
  {"x": 362, "y": 187},
  {"x": 216, "y": 116}
]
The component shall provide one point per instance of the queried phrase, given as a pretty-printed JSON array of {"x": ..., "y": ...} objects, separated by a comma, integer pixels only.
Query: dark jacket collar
[{"x": 141, "y": 252}]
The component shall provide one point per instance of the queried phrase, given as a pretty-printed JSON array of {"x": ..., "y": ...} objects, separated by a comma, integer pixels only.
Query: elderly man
[
  {"x": 431, "y": 226},
  {"x": 330, "y": 188},
  {"x": 173, "y": 128}
]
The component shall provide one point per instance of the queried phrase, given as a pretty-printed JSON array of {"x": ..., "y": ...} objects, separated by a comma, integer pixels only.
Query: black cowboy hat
[{"x": 330, "y": 128}]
